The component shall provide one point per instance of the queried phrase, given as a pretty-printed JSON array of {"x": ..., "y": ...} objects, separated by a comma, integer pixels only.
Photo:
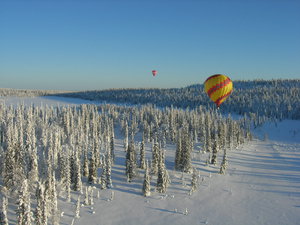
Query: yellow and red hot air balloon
[{"x": 218, "y": 87}]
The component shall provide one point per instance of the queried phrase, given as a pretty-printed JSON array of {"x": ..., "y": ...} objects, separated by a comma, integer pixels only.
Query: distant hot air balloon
[
  {"x": 154, "y": 72},
  {"x": 218, "y": 87}
]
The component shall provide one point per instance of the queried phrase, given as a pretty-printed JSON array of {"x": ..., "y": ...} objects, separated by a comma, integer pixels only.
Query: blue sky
[{"x": 86, "y": 45}]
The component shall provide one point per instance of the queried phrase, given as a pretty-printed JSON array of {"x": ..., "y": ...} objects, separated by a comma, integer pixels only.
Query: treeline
[
  {"x": 51, "y": 152},
  {"x": 275, "y": 99},
  {"x": 28, "y": 93}
]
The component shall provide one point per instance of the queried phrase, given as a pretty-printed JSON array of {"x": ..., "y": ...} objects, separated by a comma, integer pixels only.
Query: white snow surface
[
  {"x": 43, "y": 101},
  {"x": 261, "y": 185}
]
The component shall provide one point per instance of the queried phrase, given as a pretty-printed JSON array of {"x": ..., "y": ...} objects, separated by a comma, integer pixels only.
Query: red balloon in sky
[{"x": 154, "y": 72}]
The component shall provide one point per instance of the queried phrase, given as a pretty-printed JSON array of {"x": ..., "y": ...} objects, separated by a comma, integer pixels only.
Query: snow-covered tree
[
  {"x": 77, "y": 185},
  {"x": 131, "y": 162},
  {"x": 215, "y": 148},
  {"x": 108, "y": 169},
  {"x": 92, "y": 170},
  {"x": 40, "y": 204},
  {"x": 194, "y": 182},
  {"x": 3, "y": 211},
  {"x": 142, "y": 155},
  {"x": 187, "y": 148},
  {"x": 51, "y": 198},
  {"x": 155, "y": 156},
  {"x": 103, "y": 178},
  {"x": 85, "y": 164},
  {"x": 24, "y": 214},
  {"x": 77, "y": 210},
  {"x": 178, "y": 165},
  {"x": 126, "y": 136},
  {"x": 65, "y": 175},
  {"x": 86, "y": 196},
  {"x": 207, "y": 124},
  {"x": 91, "y": 197},
  {"x": 147, "y": 180},
  {"x": 33, "y": 166},
  {"x": 163, "y": 178},
  {"x": 112, "y": 142},
  {"x": 224, "y": 163},
  {"x": 9, "y": 163}
]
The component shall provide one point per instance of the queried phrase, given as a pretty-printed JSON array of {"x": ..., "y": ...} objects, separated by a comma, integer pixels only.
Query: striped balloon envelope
[{"x": 218, "y": 87}]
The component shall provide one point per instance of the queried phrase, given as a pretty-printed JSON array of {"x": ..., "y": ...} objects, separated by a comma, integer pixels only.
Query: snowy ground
[
  {"x": 261, "y": 186},
  {"x": 43, "y": 101}
]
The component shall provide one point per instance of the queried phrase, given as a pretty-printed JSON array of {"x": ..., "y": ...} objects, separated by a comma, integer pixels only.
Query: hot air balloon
[
  {"x": 154, "y": 72},
  {"x": 218, "y": 87}
]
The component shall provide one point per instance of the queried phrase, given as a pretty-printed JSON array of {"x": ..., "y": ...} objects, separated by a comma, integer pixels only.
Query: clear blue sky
[{"x": 80, "y": 45}]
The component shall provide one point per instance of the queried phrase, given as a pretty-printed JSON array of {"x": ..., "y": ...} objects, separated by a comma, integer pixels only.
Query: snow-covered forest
[
  {"x": 27, "y": 93},
  {"x": 278, "y": 99},
  {"x": 57, "y": 161},
  {"x": 271, "y": 98},
  {"x": 50, "y": 153}
]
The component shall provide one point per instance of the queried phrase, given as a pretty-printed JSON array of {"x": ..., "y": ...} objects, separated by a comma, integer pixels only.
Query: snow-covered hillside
[{"x": 261, "y": 184}]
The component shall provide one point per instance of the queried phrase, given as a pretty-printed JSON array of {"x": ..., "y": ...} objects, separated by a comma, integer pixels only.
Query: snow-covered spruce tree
[
  {"x": 66, "y": 175},
  {"x": 45, "y": 208},
  {"x": 163, "y": 138},
  {"x": 232, "y": 134},
  {"x": 21, "y": 152},
  {"x": 19, "y": 164},
  {"x": 155, "y": 156},
  {"x": 77, "y": 185},
  {"x": 202, "y": 129},
  {"x": 103, "y": 174},
  {"x": 112, "y": 141},
  {"x": 134, "y": 126},
  {"x": 126, "y": 137},
  {"x": 207, "y": 124},
  {"x": 142, "y": 154},
  {"x": 51, "y": 198},
  {"x": 215, "y": 149},
  {"x": 240, "y": 136},
  {"x": 3, "y": 211},
  {"x": 1, "y": 157},
  {"x": 92, "y": 169},
  {"x": 66, "y": 122},
  {"x": 224, "y": 163},
  {"x": 187, "y": 148},
  {"x": 131, "y": 161},
  {"x": 162, "y": 175},
  {"x": 55, "y": 211},
  {"x": 77, "y": 210},
  {"x": 91, "y": 197},
  {"x": 33, "y": 166},
  {"x": 9, "y": 161},
  {"x": 24, "y": 214},
  {"x": 39, "y": 194},
  {"x": 194, "y": 182},
  {"x": 108, "y": 169},
  {"x": 86, "y": 196},
  {"x": 146, "y": 131},
  {"x": 96, "y": 152},
  {"x": 56, "y": 146},
  {"x": 178, "y": 165},
  {"x": 147, "y": 181},
  {"x": 85, "y": 163},
  {"x": 222, "y": 130},
  {"x": 195, "y": 136}
]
